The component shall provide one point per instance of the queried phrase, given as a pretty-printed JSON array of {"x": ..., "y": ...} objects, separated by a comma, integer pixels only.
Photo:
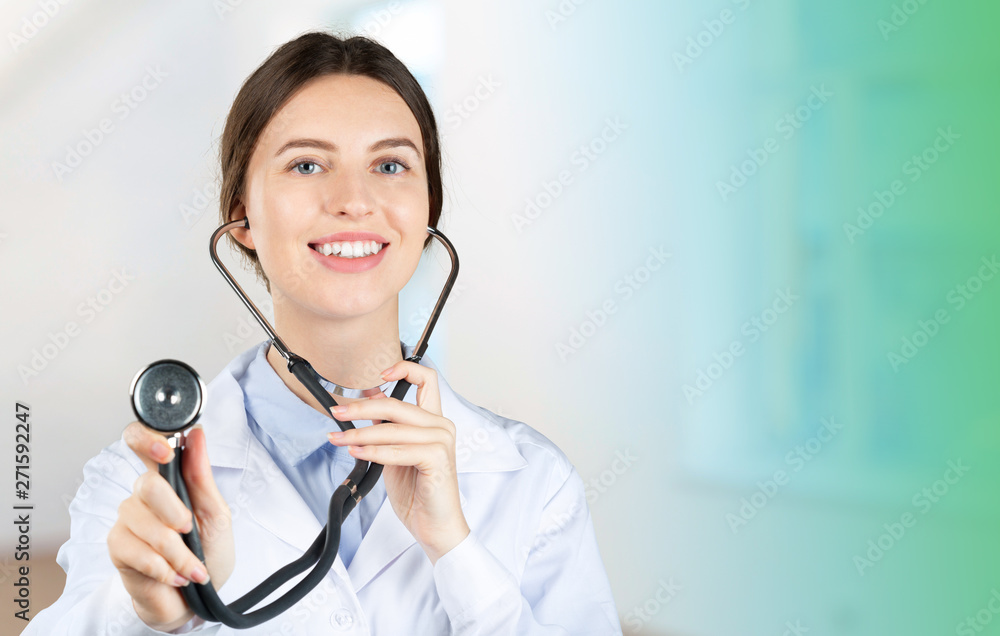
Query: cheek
[
  {"x": 273, "y": 216},
  {"x": 410, "y": 262},
  {"x": 275, "y": 250}
]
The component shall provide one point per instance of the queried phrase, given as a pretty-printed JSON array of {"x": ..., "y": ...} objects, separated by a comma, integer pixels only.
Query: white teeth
[{"x": 351, "y": 249}]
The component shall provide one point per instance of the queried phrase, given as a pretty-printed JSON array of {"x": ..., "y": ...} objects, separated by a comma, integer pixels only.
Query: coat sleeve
[
  {"x": 564, "y": 589},
  {"x": 94, "y": 601}
]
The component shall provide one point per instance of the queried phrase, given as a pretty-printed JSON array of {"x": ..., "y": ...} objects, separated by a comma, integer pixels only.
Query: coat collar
[{"x": 481, "y": 446}]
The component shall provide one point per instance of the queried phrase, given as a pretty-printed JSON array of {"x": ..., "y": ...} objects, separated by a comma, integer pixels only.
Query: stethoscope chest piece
[{"x": 167, "y": 396}]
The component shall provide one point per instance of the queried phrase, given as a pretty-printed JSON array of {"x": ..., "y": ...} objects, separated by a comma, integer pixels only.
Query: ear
[{"x": 243, "y": 236}]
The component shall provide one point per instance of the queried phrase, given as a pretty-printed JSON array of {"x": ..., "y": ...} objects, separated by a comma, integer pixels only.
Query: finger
[
  {"x": 162, "y": 540},
  {"x": 208, "y": 504},
  {"x": 423, "y": 457},
  {"x": 135, "y": 559},
  {"x": 154, "y": 491},
  {"x": 391, "y": 433},
  {"x": 151, "y": 447},
  {"x": 425, "y": 379},
  {"x": 388, "y": 410}
]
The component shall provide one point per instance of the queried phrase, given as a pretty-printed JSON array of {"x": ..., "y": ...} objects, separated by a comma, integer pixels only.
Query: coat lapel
[
  {"x": 264, "y": 491},
  {"x": 274, "y": 503}
]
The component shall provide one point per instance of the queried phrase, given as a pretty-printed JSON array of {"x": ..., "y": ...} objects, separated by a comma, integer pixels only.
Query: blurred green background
[{"x": 847, "y": 151}]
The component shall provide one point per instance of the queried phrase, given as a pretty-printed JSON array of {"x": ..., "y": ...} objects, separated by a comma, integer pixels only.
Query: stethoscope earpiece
[{"x": 167, "y": 396}]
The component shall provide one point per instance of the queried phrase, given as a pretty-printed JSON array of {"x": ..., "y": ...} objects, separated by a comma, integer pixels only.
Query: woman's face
[{"x": 340, "y": 165}]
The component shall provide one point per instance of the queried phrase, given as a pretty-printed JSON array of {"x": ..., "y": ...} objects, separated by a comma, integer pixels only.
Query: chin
[
  {"x": 336, "y": 299},
  {"x": 333, "y": 306}
]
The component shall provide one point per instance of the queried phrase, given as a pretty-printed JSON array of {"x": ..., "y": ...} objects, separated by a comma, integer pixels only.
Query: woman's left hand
[{"x": 416, "y": 444}]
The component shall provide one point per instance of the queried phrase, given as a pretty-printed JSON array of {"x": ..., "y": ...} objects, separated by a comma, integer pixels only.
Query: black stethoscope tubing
[{"x": 203, "y": 599}]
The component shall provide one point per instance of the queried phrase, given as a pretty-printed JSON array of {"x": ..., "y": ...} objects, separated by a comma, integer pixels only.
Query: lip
[{"x": 350, "y": 265}]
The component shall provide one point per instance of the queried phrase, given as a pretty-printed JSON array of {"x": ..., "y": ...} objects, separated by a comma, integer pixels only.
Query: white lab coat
[{"x": 518, "y": 491}]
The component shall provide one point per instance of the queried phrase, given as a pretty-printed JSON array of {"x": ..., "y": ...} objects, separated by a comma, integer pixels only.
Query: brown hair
[{"x": 290, "y": 67}]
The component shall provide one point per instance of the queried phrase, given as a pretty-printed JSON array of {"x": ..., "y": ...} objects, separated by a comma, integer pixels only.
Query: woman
[{"x": 331, "y": 151}]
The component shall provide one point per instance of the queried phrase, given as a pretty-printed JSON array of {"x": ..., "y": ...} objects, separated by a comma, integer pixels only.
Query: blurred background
[{"x": 737, "y": 258}]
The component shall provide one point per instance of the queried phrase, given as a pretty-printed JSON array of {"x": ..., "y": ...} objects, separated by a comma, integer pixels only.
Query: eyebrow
[{"x": 392, "y": 142}]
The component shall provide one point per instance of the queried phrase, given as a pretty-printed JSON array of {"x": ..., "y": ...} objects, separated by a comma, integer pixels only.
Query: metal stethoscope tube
[{"x": 203, "y": 598}]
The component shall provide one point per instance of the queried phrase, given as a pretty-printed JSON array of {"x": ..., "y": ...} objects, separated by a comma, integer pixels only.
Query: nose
[{"x": 350, "y": 195}]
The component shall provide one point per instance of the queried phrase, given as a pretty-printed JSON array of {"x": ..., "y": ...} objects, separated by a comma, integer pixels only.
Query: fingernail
[
  {"x": 188, "y": 527},
  {"x": 340, "y": 409},
  {"x": 199, "y": 575},
  {"x": 160, "y": 450},
  {"x": 386, "y": 372},
  {"x": 180, "y": 581},
  {"x": 336, "y": 435}
]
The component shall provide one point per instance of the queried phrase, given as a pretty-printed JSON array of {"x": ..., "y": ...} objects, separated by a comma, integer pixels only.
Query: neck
[{"x": 351, "y": 352}]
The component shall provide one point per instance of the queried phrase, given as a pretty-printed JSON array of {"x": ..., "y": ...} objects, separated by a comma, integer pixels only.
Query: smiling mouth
[{"x": 349, "y": 249}]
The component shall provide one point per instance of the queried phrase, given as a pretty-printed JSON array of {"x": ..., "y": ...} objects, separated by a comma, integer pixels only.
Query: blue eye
[
  {"x": 312, "y": 167},
  {"x": 400, "y": 166}
]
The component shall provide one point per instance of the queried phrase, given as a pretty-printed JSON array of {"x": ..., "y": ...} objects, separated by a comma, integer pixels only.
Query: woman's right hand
[{"x": 144, "y": 543}]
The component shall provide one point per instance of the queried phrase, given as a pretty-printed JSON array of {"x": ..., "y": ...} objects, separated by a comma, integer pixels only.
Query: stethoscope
[{"x": 168, "y": 396}]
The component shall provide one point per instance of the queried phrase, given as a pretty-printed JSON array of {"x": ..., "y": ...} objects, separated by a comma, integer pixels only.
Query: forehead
[{"x": 344, "y": 109}]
